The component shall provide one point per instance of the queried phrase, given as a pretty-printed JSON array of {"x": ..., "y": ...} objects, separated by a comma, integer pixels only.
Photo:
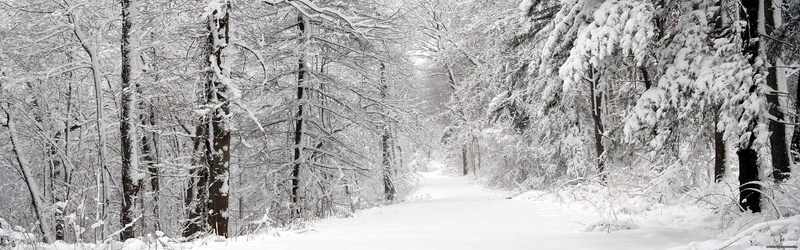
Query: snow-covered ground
[{"x": 451, "y": 213}]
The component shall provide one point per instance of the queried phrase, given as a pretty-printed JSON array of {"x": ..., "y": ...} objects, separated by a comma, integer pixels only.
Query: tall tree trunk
[
  {"x": 749, "y": 191},
  {"x": 464, "y": 166},
  {"x": 59, "y": 198},
  {"x": 779, "y": 148},
  {"x": 479, "y": 156},
  {"x": 29, "y": 178},
  {"x": 597, "y": 109},
  {"x": 217, "y": 152},
  {"x": 386, "y": 143},
  {"x": 719, "y": 152},
  {"x": 776, "y": 80},
  {"x": 475, "y": 155},
  {"x": 149, "y": 140},
  {"x": 796, "y": 134},
  {"x": 102, "y": 169},
  {"x": 298, "y": 128},
  {"x": 150, "y": 145},
  {"x": 196, "y": 190},
  {"x": 127, "y": 127},
  {"x": 388, "y": 184},
  {"x": 149, "y": 158},
  {"x": 66, "y": 173}
]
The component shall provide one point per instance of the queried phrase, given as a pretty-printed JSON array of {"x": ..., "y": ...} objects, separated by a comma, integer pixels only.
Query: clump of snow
[
  {"x": 419, "y": 194},
  {"x": 97, "y": 224},
  {"x": 11, "y": 236},
  {"x": 525, "y": 5},
  {"x": 610, "y": 225}
]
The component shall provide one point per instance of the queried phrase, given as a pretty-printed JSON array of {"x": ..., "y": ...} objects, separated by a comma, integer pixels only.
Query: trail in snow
[{"x": 462, "y": 216}]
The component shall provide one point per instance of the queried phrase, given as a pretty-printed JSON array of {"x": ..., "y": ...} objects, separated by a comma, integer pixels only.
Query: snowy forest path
[{"x": 451, "y": 213}]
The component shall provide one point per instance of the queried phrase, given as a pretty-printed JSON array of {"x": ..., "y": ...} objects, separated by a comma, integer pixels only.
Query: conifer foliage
[{"x": 657, "y": 93}]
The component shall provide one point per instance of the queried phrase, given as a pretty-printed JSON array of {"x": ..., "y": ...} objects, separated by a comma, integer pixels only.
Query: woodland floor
[{"x": 452, "y": 213}]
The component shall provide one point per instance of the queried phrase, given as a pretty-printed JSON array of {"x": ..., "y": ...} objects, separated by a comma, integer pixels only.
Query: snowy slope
[{"x": 458, "y": 215}]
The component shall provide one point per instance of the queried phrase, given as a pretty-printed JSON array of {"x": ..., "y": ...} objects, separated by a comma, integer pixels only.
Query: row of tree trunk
[
  {"x": 763, "y": 18},
  {"x": 206, "y": 193}
]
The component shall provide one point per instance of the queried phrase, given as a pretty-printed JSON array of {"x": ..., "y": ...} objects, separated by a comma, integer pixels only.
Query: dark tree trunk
[
  {"x": 386, "y": 143},
  {"x": 719, "y": 156},
  {"x": 217, "y": 152},
  {"x": 597, "y": 109},
  {"x": 56, "y": 174},
  {"x": 207, "y": 195},
  {"x": 749, "y": 192},
  {"x": 777, "y": 127},
  {"x": 127, "y": 128},
  {"x": 150, "y": 145},
  {"x": 58, "y": 216},
  {"x": 388, "y": 185},
  {"x": 196, "y": 189},
  {"x": 464, "y": 160},
  {"x": 298, "y": 128},
  {"x": 451, "y": 78},
  {"x": 149, "y": 158},
  {"x": 67, "y": 172},
  {"x": 646, "y": 77},
  {"x": 796, "y": 133},
  {"x": 197, "y": 200},
  {"x": 476, "y": 155},
  {"x": 778, "y": 142},
  {"x": 219, "y": 156},
  {"x": 720, "y": 151}
]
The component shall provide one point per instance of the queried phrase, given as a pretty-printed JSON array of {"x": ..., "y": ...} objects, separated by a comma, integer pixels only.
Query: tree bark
[
  {"x": 298, "y": 129},
  {"x": 219, "y": 138},
  {"x": 779, "y": 149},
  {"x": 464, "y": 164},
  {"x": 30, "y": 180},
  {"x": 720, "y": 151},
  {"x": 58, "y": 198},
  {"x": 67, "y": 174},
  {"x": 749, "y": 191},
  {"x": 796, "y": 134},
  {"x": 386, "y": 143},
  {"x": 127, "y": 127},
  {"x": 719, "y": 155},
  {"x": 777, "y": 82},
  {"x": 388, "y": 184},
  {"x": 149, "y": 140},
  {"x": 150, "y": 146},
  {"x": 102, "y": 169},
  {"x": 196, "y": 195},
  {"x": 646, "y": 77},
  {"x": 149, "y": 158},
  {"x": 476, "y": 155},
  {"x": 597, "y": 104},
  {"x": 207, "y": 195}
]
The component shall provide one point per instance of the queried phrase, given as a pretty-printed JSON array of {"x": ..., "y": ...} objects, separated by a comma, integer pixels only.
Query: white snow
[
  {"x": 525, "y": 5},
  {"x": 452, "y": 213}
]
